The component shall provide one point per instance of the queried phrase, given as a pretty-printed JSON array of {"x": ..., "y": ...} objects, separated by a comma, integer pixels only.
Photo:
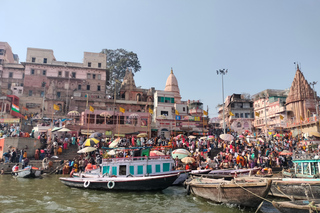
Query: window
[
  {"x": 33, "y": 59},
  {"x": 32, "y": 71},
  {"x": 58, "y": 94},
  {"x": 236, "y": 115},
  {"x": 42, "y": 93},
  {"x": 165, "y": 113},
  {"x": 45, "y": 60},
  {"x": 79, "y": 87},
  {"x": 60, "y": 74},
  {"x": 22, "y": 75},
  {"x": 9, "y": 85},
  {"x": 1, "y": 51},
  {"x": 1, "y": 61},
  {"x": 99, "y": 65},
  {"x": 247, "y": 115},
  {"x": 183, "y": 109},
  {"x": 66, "y": 74},
  {"x": 89, "y": 64},
  {"x": 30, "y": 92},
  {"x": 10, "y": 74},
  {"x": 99, "y": 88},
  {"x": 93, "y": 76},
  {"x": 88, "y": 87},
  {"x": 241, "y": 115},
  {"x": 73, "y": 75},
  {"x": 88, "y": 75},
  {"x": 99, "y": 76},
  {"x": 44, "y": 72}
]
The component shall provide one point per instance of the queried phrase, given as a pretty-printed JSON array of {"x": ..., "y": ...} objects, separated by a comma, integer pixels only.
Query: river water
[{"x": 50, "y": 195}]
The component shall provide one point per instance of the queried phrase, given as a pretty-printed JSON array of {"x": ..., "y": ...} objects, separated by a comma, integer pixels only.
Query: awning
[
  {"x": 164, "y": 130},
  {"x": 154, "y": 130},
  {"x": 16, "y": 114}
]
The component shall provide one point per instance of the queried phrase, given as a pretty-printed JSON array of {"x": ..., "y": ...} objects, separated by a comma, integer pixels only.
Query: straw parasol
[{"x": 187, "y": 160}]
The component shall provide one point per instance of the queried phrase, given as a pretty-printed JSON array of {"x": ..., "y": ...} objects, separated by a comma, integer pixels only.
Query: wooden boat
[
  {"x": 130, "y": 183},
  {"x": 184, "y": 175},
  {"x": 298, "y": 206},
  {"x": 298, "y": 188},
  {"x": 229, "y": 174},
  {"x": 27, "y": 172},
  {"x": 304, "y": 166},
  {"x": 240, "y": 192}
]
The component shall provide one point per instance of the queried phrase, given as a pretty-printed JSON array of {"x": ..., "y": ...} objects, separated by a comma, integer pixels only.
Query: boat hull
[
  {"x": 27, "y": 173},
  {"x": 232, "y": 193},
  {"x": 296, "y": 188},
  {"x": 300, "y": 206},
  {"x": 122, "y": 184}
]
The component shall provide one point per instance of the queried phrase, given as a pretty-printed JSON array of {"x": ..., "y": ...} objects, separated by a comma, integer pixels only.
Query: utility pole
[
  {"x": 44, "y": 95},
  {"x": 222, "y": 72}
]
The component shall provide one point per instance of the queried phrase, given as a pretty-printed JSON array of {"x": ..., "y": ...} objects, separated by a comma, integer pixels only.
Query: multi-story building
[
  {"x": 70, "y": 85},
  {"x": 270, "y": 109},
  {"x": 239, "y": 112}
]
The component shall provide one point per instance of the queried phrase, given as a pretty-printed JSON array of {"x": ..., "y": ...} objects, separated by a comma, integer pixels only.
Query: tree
[{"x": 117, "y": 62}]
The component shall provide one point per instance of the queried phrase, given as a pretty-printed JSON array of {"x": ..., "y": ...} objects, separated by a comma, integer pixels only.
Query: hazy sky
[{"x": 257, "y": 41}]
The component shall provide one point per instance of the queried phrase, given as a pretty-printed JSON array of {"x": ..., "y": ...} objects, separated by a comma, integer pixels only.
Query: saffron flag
[
  {"x": 122, "y": 109},
  {"x": 301, "y": 118},
  {"x": 281, "y": 117},
  {"x": 25, "y": 108},
  {"x": 25, "y": 117},
  {"x": 257, "y": 114},
  {"x": 205, "y": 112},
  {"x": 91, "y": 109},
  {"x": 231, "y": 114},
  {"x": 56, "y": 107},
  {"x": 15, "y": 108},
  {"x": 150, "y": 111},
  {"x": 177, "y": 112}
]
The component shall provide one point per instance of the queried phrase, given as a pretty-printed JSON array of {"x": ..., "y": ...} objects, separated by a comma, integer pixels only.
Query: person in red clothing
[{"x": 187, "y": 167}]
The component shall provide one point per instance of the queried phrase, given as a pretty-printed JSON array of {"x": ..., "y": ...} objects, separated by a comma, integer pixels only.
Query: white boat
[{"x": 28, "y": 172}]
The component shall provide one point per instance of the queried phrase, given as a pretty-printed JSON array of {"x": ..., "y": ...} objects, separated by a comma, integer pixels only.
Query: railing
[
  {"x": 307, "y": 156},
  {"x": 139, "y": 158}
]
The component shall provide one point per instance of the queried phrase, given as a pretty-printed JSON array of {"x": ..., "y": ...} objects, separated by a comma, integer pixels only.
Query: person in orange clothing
[{"x": 187, "y": 167}]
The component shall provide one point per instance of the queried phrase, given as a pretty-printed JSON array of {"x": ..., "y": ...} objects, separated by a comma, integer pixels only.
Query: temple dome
[{"x": 172, "y": 86}]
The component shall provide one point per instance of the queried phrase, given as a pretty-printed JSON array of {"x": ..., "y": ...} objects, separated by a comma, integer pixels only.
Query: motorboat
[{"x": 28, "y": 172}]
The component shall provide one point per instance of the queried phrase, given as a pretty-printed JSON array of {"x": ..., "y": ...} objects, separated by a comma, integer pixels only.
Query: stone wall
[{"x": 21, "y": 143}]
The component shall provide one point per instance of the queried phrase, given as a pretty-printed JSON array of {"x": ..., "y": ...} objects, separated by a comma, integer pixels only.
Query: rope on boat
[
  {"x": 313, "y": 207},
  {"x": 306, "y": 192},
  {"x": 278, "y": 188},
  {"x": 253, "y": 193}
]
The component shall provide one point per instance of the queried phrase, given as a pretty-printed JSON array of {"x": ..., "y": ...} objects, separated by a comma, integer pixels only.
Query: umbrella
[
  {"x": 91, "y": 142},
  {"x": 316, "y": 134},
  {"x": 191, "y": 136},
  {"x": 180, "y": 153},
  {"x": 105, "y": 114},
  {"x": 203, "y": 138},
  {"x": 156, "y": 153},
  {"x": 56, "y": 129},
  {"x": 226, "y": 137},
  {"x": 188, "y": 160},
  {"x": 285, "y": 152},
  {"x": 260, "y": 139},
  {"x": 95, "y": 135},
  {"x": 74, "y": 113},
  {"x": 64, "y": 130},
  {"x": 210, "y": 136},
  {"x": 179, "y": 136},
  {"x": 142, "y": 135},
  {"x": 87, "y": 149},
  {"x": 134, "y": 115},
  {"x": 114, "y": 143},
  {"x": 241, "y": 136}
]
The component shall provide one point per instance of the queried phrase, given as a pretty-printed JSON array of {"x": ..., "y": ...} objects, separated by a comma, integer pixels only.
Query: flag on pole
[
  {"x": 257, "y": 114},
  {"x": 230, "y": 113},
  {"x": 56, "y": 107},
  {"x": 150, "y": 111},
  {"x": 122, "y": 109},
  {"x": 205, "y": 112},
  {"x": 281, "y": 117},
  {"x": 14, "y": 108},
  {"x": 177, "y": 112},
  {"x": 91, "y": 108},
  {"x": 25, "y": 108},
  {"x": 301, "y": 118}
]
